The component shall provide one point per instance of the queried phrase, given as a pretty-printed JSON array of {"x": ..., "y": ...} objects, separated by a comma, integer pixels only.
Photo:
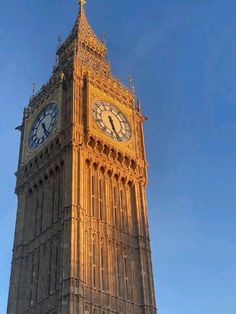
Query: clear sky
[{"x": 182, "y": 54}]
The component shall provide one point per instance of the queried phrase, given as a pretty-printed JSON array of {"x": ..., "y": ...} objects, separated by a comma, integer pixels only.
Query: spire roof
[
  {"x": 86, "y": 35},
  {"x": 84, "y": 39}
]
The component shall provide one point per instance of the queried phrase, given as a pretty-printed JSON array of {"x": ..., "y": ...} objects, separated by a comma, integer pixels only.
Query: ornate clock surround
[{"x": 28, "y": 151}]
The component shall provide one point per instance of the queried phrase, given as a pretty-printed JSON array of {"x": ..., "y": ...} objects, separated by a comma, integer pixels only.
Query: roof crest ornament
[{"x": 81, "y": 3}]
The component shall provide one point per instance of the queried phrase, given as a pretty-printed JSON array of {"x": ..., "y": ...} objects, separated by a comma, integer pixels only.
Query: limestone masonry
[{"x": 82, "y": 239}]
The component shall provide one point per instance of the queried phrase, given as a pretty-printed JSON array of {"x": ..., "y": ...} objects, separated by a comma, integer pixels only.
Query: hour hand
[
  {"x": 113, "y": 126},
  {"x": 44, "y": 128}
]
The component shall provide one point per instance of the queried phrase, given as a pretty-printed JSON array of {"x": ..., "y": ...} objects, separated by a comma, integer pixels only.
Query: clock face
[
  {"x": 111, "y": 121},
  {"x": 43, "y": 126}
]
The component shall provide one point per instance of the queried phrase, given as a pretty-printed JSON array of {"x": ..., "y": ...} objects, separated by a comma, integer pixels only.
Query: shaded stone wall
[{"x": 36, "y": 268}]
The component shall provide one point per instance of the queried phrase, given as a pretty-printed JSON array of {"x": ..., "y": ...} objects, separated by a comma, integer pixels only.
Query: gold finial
[{"x": 81, "y": 3}]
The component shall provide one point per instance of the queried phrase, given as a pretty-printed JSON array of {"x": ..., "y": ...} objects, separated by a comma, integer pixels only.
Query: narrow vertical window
[
  {"x": 102, "y": 268},
  {"x": 50, "y": 268},
  {"x": 100, "y": 199},
  {"x": 108, "y": 268},
  {"x": 32, "y": 280},
  {"x": 94, "y": 264},
  {"x": 115, "y": 205},
  {"x": 126, "y": 277},
  {"x": 53, "y": 202},
  {"x": 111, "y": 204},
  {"x": 59, "y": 204},
  {"x": 117, "y": 273},
  {"x": 87, "y": 191},
  {"x": 122, "y": 209},
  {"x": 41, "y": 209},
  {"x": 37, "y": 214},
  {"x": 93, "y": 196},
  {"x": 85, "y": 257},
  {"x": 56, "y": 263}
]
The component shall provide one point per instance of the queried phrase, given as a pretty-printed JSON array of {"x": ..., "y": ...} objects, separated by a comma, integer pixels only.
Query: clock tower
[{"x": 82, "y": 239}]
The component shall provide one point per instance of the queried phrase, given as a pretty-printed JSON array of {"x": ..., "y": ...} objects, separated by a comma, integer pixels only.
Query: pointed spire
[
  {"x": 82, "y": 41},
  {"x": 86, "y": 35},
  {"x": 81, "y": 4},
  {"x": 138, "y": 105}
]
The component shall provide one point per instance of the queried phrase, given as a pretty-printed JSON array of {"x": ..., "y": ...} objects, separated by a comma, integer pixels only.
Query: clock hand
[
  {"x": 44, "y": 128},
  {"x": 112, "y": 123},
  {"x": 113, "y": 126}
]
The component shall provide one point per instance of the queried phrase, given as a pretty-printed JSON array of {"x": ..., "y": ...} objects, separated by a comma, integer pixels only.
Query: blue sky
[{"x": 182, "y": 54}]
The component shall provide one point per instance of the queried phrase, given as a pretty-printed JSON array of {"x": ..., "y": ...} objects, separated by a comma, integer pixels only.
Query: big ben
[{"x": 82, "y": 239}]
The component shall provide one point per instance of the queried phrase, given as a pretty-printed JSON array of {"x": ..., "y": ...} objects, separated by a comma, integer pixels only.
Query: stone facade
[{"x": 82, "y": 239}]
